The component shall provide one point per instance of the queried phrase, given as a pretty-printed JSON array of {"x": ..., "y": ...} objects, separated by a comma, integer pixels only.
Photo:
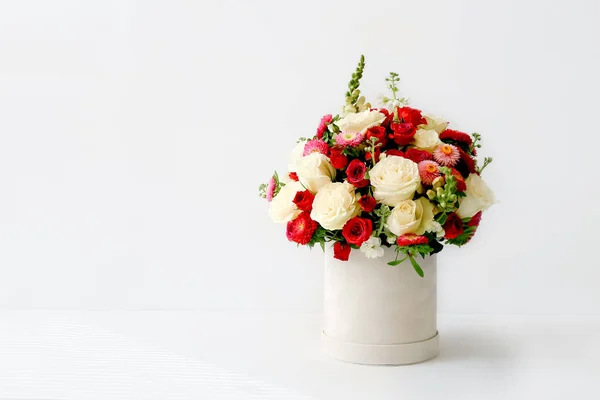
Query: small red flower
[
  {"x": 461, "y": 185},
  {"x": 411, "y": 116},
  {"x": 395, "y": 152},
  {"x": 411, "y": 239},
  {"x": 367, "y": 203},
  {"x": 341, "y": 251},
  {"x": 357, "y": 230},
  {"x": 453, "y": 226},
  {"x": 323, "y": 125},
  {"x": 475, "y": 219},
  {"x": 456, "y": 136},
  {"x": 293, "y": 176},
  {"x": 337, "y": 159},
  {"x": 303, "y": 200},
  {"x": 466, "y": 165},
  {"x": 417, "y": 155},
  {"x": 301, "y": 229},
  {"x": 402, "y": 133},
  {"x": 379, "y": 133},
  {"x": 356, "y": 173}
]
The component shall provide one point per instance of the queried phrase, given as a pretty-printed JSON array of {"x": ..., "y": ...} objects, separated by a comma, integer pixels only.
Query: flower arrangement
[{"x": 390, "y": 176}]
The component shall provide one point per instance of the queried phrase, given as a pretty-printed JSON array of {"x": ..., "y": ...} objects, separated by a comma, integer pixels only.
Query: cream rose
[
  {"x": 335, "y": 204},
  {"x": 360, "y": 122},
  {"x": 427, "y": 139},
  {"x": 394, "y": 179},
  {"x": 410, "y": 217},
  {"x": 296, "y": 154},
  {"x": 282, "y": 209},
  {"x": 435, "y": 123},
  {"x": 314, "y": 171},
  {"x": 479, "y": 197}
]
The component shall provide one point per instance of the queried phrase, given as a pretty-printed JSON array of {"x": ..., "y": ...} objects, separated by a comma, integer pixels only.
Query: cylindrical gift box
[{"x": 375, "y": 313}]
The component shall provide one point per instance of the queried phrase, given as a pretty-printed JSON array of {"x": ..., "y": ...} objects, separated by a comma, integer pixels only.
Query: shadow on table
[{"x": 475, "y": 346}]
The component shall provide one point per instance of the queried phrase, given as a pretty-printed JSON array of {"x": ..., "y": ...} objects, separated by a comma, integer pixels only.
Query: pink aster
[
  {"x": 349, "y": 139},
  {"x": 315, "y": 146},
  {"x": 428, "y": 170},
  {"x": 447, "y": 155},
  {"x": 270, "y": 189}
]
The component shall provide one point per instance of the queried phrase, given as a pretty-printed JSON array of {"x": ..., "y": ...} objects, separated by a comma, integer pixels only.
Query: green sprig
[
  {"x": 353, "y": 92},
  {"x": 486, "y": 161}
]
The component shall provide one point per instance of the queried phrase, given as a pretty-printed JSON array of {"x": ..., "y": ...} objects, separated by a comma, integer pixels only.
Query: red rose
[
  {"x": 379, "y": 133},
  {"x": 417, "y": 155},
  {"x": 323, "y": 125},
  {"x": 301, "y": 229},
  {"x": 394, "y": 152},
  {"x": 411, "y": 239},
  {"x": 466, "y": 164},
  {"x": 453, "y": 226},
  {"x": 357, "y": 230},
  {"x": 411, "y": 116},
  {"x": 293, "y": 176},
  {"x": 475, "y": 219},
  {"x": 303, "y": 200},
  {"x": 367, "y": 203},
  {"x": 377, "y": 154},
  {"x": 356, "y": 173},
  {"x": 337, "y": 159},
  {"x": 403, "y": 133},
  {"x": 456, "y": 136},
  {"x": 341, "y": 251},
  {"x": 461, "y": 185}
]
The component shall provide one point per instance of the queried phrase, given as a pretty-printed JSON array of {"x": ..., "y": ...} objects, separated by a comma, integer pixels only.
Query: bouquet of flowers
[{"x": 390, "y": 176}]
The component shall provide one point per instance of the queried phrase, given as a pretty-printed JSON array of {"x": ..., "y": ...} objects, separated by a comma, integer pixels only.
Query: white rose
[
  {"x": 479, "y": 197},
  {"x": 411, "y": 217},
  {"x": 427, "y": 139},
  {"x": 282, "y": 209},
  {"x": 335, "y": 204},
  {"x": 314, "y": 171},
  {"x": 435, "y": 123},
  {"x": 360, "y": 122},
  {"x": 394, "y": 179},
  {"x": 296, "y": 154}
]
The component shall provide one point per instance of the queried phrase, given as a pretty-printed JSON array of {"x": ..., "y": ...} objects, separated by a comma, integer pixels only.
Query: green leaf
[
  {"x": 397, "y": 262},
  {"x": 417, "y": 267}
]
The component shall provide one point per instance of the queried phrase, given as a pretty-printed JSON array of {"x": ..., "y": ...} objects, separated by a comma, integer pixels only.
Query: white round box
[{"x": 378, "y": 314}]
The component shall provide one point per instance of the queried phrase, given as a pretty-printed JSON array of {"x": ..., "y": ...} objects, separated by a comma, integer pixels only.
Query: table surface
[{"x": 250, "y": 355}]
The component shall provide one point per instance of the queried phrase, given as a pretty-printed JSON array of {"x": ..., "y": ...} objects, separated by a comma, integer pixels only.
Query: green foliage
[
  {"x": 262, "y": 189},
  {"x": 383, "y": 213},
  {"x": 411, "y": 252},
  {"x": 486, "y": 161},
  {"x": 417, "y": 267},
  {"x": 446, "y": 196},
  {"x": 353, "y": 92},
  {"x": 322, "y": 236},
  {"x": 464, "y": 237},
  {"x": 476, "y": 140}
]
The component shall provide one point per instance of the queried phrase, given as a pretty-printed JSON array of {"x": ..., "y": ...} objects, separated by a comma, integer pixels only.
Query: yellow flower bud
[
  {"x": 439, "y": 191},
  {"x": 430, "y": 194},
  {"x": 438, "y": 182},
  {"x": 420, "y": 189}
]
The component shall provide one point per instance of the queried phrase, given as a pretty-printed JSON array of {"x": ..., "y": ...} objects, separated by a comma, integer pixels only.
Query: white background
[{"x": 133, "y": 136}]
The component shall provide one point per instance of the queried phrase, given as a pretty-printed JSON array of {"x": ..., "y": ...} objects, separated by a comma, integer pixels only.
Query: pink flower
[
  {"x": 323, "y": 125},
  {"x": 447, "y": 155},
  {"x": 315, "y": 146},
  {"x": 349, "y": 139},
  {"x": 270, "y": 189},
  {"x": 428, "y": 170}
]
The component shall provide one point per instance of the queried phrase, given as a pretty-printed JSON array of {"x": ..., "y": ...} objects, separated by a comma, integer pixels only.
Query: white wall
[{"x": 133, "y": 135}]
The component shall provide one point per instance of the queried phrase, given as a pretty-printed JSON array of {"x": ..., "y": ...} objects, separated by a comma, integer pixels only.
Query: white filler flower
[{"x": 372, "y": 248}]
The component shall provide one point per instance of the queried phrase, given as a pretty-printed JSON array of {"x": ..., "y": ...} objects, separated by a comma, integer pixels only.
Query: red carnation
[
  {"x": 357, "y": 230},
  {"x": 411, "y": 239},
  {"x": 367, "y": 203},
  {"x": 411, "y": 116},
  {"x": 293, "y": 176},
  {"x": 341, "y": 251},
  {"x": 303, "y": 200},
  {"x": 461, "y": 185},
  {"x": 402, "y": 133},
  {"x": 323, "y": 125},
  {"x": 356, "y": 173},
  {"x": 468, "y": 164},
  {"x": 453, "y": 226},
  {"x": 395, "y": 152},
  {"x": 379, "y": 133},
  {"x": 337, "y": 159},
  {"x": 475, "y": 219},
  {"x": 456, "y": 136},
  {"x": 417, "y": 155},
  {"x": 301, "y": 229}
]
